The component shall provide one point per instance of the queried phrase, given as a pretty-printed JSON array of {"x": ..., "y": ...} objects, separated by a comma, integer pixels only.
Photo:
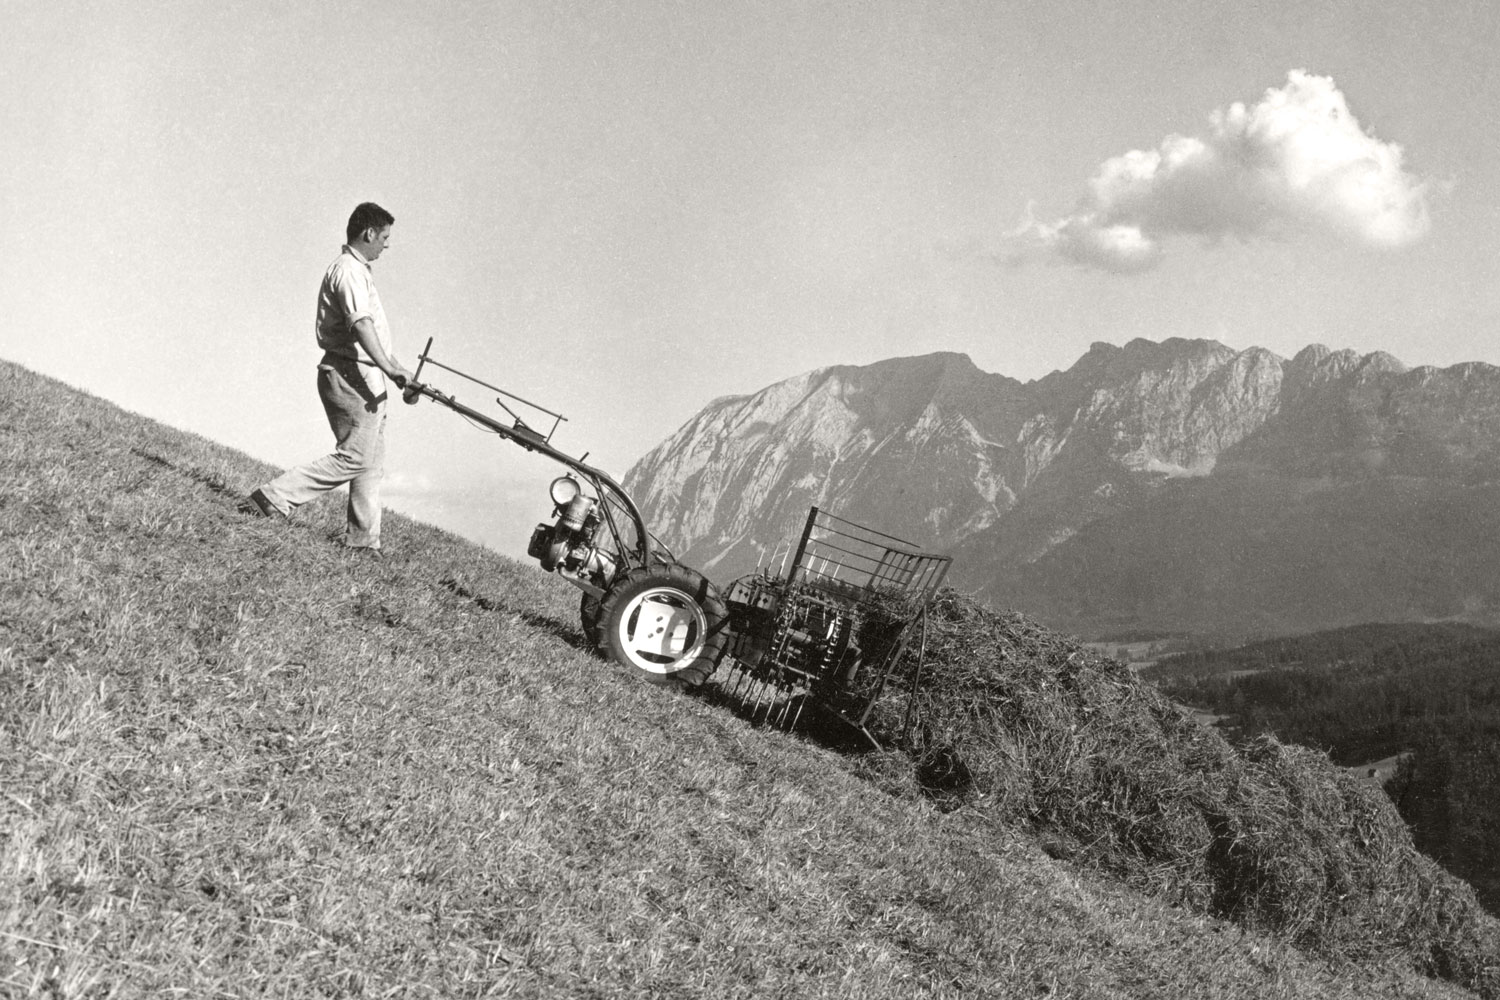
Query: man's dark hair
[{"x": 366, "y": 215}]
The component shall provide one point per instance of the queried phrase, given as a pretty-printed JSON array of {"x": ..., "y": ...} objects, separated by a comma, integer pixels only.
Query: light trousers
[{"x": 357, "y": 417}]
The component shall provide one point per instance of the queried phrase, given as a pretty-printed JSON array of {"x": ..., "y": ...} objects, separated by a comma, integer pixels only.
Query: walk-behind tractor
[{"x": 824, "y": 628}]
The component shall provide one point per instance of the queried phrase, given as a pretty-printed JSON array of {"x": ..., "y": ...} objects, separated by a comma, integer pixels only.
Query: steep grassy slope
[
  {"x": 1272, "y": 835},
  {"x": 236, "y": 762},
  {"x": 1426, "y": 694}
]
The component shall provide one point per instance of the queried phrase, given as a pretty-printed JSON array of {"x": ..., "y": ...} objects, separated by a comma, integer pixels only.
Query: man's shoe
[{"x": 260, "y": 505}]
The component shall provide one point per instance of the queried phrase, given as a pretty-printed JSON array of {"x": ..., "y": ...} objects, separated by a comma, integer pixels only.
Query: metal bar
[
  {"x": 760, "y": 692},
  {"x": 788, "y": 716},
  {"x": 801, "y": 704},
  {"x": 941, "y": 570},
  {"x": 819, "y": 544},
  {"x": 898, "y": 567},
  {"x": 607, "y": 510},
  {"x": 493, "y": 388},
  {"x": 741, "y": 684},
  {"x": 890, "y": 663},
  {"x": 916, "y": 681},
  {"x": 536, "y": 444},
  {"x": 776, "y": 714},
  {"x": 871, "y": 580},
  {"x": 422, "y": 360},
  {"x": 812, "y": 516},
  {"x": 872, "y": 531}
]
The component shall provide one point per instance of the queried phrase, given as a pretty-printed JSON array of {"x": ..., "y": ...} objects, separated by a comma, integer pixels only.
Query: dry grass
[
  {"x": 1272, "y": 836},
  {"x": 235, "y": 762}
]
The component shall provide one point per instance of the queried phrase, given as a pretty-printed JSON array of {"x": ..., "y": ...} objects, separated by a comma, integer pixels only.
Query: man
[{"x": 356, "y": 343}]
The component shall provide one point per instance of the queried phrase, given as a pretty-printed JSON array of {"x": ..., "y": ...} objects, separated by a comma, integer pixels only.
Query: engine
[{"x": 568, "y": 546}]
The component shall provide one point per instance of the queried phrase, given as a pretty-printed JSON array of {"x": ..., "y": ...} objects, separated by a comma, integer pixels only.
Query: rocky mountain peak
[
  {"x": 1379, "y": 362},
  {"x": 1019, "y": 477},
  {"x": 1311, "y": 356},
  {"x": 1109, "y": 361},
  {"x": 1317, "y": 363}
]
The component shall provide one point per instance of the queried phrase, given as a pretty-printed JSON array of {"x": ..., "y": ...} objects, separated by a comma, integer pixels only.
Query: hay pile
[{"x": 1112, "y": 774}]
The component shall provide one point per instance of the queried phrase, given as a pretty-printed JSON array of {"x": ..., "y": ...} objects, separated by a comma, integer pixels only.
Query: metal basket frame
[{"x": 833, "y": 628}]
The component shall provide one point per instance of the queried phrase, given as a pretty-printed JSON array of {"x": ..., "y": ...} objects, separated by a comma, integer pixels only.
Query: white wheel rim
[{"x": 662, "y": 628}]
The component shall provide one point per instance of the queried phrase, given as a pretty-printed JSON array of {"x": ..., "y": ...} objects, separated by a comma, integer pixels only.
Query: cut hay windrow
[{"x": 1111, "y": 773}]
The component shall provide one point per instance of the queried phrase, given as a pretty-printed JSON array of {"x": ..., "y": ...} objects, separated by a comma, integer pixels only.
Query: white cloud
[{"x": 1297, "y": 161}]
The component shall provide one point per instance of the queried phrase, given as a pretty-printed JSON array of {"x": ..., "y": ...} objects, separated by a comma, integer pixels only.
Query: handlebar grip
[{"x": 400, "y": 381}]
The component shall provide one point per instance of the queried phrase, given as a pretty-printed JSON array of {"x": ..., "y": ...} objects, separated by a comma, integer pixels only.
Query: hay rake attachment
[{"x": 829, "y": 630}]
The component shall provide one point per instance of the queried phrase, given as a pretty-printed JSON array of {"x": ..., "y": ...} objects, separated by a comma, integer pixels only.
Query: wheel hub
[{"x": 660, "y": 627}]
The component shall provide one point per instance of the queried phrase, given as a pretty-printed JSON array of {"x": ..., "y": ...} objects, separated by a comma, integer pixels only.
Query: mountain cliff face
[{"x": 1179, "y": 486}]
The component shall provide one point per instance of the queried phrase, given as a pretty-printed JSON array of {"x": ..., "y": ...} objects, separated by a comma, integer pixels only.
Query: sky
[{"x": 625, "y": 210}]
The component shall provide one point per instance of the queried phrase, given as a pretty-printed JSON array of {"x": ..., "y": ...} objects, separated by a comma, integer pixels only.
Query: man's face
[{"x": 376, "y": 241}]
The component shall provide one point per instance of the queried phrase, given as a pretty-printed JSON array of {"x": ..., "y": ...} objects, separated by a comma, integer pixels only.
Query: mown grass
[
  {"x": 235, "y": 761},
  {"x": 1273, "y": 836}
]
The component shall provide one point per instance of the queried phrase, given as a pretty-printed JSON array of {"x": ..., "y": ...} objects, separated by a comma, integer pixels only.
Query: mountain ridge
[{"x": 1040, "y": 488}]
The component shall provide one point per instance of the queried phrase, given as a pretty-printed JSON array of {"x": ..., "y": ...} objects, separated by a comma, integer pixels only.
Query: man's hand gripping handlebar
[{"x": 411, "y": 386}]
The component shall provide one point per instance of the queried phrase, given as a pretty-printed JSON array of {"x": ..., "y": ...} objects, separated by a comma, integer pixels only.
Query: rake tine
[
  {"x": 773, "y": 704},
  {"x": 792, "y": 708},
  {"x": 801, "y": 704},
  {"x": 760, "y": 691},
  {"x": 739, "y": 683},
  {"x": 752, "y": 677},
  {"x": 780, "y": 707},
  {"x": 747, "y": 693}
]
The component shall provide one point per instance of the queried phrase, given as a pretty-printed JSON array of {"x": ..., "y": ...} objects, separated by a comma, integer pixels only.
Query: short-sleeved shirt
[{"x": 347, "y": 296}]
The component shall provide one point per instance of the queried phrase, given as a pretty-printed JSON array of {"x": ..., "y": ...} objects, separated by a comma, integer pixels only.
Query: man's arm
[{"x": 364, "y": 331}]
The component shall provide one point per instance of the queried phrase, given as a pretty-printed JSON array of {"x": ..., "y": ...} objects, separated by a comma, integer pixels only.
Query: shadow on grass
[
  {"x": 938, "y": 771},
  {"x": 798, "y": 714},
  {"x": 214, "y": 482},
  {"x": 943, "y": 778},
  {"x": 570, "y": 634},
  {"x": 764, "y": 706}
]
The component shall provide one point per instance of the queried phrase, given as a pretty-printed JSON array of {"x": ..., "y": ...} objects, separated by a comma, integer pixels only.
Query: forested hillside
[{"x": 1430, "y": 693}]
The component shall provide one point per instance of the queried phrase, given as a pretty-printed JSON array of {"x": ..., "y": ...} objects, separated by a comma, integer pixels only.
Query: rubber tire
[
  {"x": 590, "y": 611},
  {"x": 662, "y": 597}
]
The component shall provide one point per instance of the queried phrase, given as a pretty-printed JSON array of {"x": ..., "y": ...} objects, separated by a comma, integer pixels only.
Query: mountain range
[{"x": 1172, "y": 488}]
